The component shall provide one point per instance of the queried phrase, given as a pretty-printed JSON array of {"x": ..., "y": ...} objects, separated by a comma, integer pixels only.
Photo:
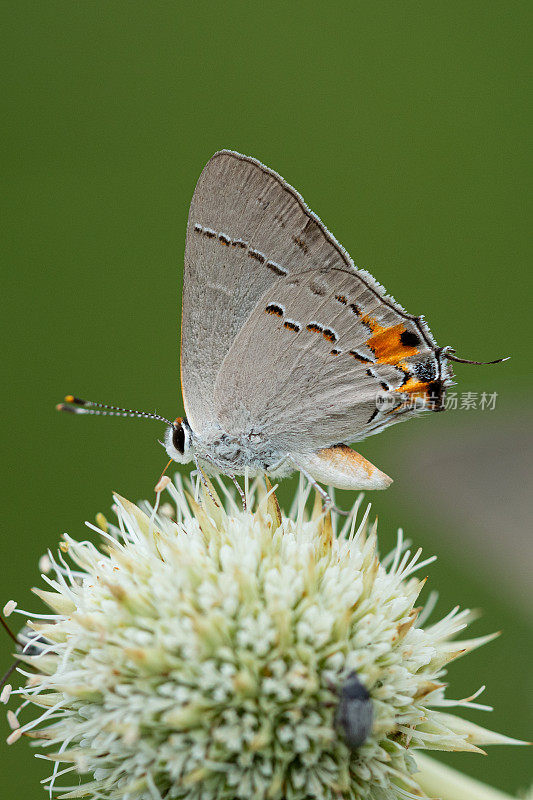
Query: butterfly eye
[
  {"x": 178, "y": 441},
  {"x": 178, "y": 437}
]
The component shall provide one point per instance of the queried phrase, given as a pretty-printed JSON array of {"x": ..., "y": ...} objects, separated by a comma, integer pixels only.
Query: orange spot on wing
[
  {"x": 431, "y": 391},
  {"x": 386, "y": 343},
  {"x": 414, "y": 387}
]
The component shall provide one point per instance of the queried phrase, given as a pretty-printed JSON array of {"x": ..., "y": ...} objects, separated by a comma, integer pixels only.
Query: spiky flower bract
[{"x": 203, "y": 658}]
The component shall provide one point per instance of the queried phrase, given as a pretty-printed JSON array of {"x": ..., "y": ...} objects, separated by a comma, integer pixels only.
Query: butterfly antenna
[
  {"x": 75, "y": 405},
  {"x": 449, "y": 353}
]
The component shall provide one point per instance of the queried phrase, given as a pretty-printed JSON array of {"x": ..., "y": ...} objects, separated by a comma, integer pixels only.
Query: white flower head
[{"x": 209, "y": 652}]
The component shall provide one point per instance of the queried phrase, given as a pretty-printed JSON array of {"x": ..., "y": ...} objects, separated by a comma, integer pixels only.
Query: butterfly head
[{"x": 178, "y": 441}]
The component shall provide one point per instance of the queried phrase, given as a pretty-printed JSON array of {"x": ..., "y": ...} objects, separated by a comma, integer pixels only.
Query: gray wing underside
[
  {"x": 247, "y": 229},
  {"x": 305, "y": 370}
]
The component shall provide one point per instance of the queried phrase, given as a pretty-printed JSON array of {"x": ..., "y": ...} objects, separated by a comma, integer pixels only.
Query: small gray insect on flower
[{"x": 355, "y": 712}]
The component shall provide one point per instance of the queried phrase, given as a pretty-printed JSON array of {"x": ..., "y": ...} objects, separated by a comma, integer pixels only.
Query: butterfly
[{"x": 289, "y": 353}]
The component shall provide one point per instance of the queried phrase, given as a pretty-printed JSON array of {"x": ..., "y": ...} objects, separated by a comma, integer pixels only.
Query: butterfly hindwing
[{"x": 327, "y": 357}]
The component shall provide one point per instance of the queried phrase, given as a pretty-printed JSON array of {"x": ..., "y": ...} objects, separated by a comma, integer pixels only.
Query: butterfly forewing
[{"x": 247, "y": 229}]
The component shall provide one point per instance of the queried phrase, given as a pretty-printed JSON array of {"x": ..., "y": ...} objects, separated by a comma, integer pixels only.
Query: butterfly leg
[
  {"x": 206, "y": 483},
  {"x": 327, "y": 502},
  {"x": 204, "y": 480},
  {"x": 241, "y": 492}
]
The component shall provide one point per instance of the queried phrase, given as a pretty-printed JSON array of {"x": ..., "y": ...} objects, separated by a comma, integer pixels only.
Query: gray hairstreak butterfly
[{"x": 289, "y": 353}]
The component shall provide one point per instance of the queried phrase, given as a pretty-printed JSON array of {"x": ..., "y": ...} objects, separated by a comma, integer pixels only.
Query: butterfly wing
[
  {"x": 327, "y": 357},
  {"x": 247, "y": 229}
]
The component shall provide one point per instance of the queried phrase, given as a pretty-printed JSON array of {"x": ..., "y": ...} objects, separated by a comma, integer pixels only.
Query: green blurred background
[{"x": 404, "y": 126}]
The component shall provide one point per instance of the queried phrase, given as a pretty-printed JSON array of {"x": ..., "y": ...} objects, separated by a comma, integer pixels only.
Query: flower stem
[{"x": 439, "y": 780}]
